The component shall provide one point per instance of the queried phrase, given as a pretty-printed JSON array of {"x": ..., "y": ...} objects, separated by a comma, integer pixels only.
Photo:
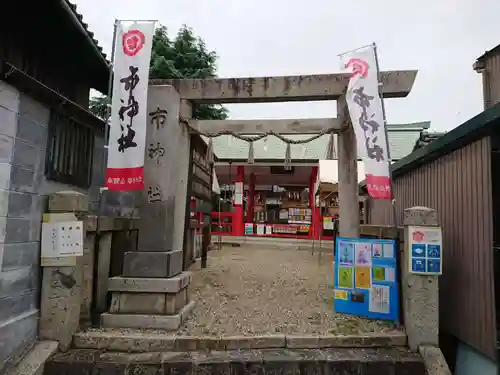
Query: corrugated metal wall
[
  {"x": 491, "y": 81},
  {"x": 458, "y": 186}
]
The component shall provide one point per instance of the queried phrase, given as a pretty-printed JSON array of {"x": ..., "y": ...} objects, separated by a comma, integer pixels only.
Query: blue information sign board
[
  {"x": 425, "y": 250},
  {"x": 366, "y": 278}
]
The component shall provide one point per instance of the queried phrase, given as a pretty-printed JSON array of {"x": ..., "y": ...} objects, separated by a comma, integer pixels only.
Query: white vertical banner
[
  {"x": 367, "y": 117},
  {"x": 127, "y": 134}
]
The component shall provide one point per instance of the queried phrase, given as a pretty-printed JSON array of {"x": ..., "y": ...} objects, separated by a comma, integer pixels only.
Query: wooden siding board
[
  {"x": 491, "y": 81},
  {"x": 458, "y": 186}
]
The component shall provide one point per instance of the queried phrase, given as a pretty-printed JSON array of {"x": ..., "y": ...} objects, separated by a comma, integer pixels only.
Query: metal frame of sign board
[
  {"x": 435, "y": 240},
  {"x": 357, "y": 298}
]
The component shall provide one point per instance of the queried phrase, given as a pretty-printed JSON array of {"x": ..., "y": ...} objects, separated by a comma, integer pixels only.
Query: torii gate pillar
[{"x": 348, "y": 175}]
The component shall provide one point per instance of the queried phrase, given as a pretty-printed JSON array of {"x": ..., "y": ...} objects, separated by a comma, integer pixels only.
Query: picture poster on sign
[
  {"x": 425, "y": 255},
  {"x": 365, "y": 278}
]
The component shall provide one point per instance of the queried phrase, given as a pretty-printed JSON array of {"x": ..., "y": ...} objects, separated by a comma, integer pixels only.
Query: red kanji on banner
[{"x": 132, "y": 42}]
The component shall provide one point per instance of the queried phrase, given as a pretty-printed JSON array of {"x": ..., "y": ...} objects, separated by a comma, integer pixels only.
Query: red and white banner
[
  {"x": 367, "y": 117},
  {"x": 127, "y": 134}
]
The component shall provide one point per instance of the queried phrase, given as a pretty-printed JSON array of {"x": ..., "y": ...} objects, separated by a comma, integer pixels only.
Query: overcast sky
[{"x": 440, "y": 38}]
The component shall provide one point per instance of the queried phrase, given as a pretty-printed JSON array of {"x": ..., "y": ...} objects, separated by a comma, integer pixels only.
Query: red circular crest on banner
[{"x": 132, "y": 42}]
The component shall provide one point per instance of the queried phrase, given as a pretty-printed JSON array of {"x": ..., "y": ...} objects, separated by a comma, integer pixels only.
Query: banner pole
[
  {"x": 95, "y": 309},
  {"x": 108, "y": 117},
  {"x": 381, "y": 94},
  {"x": 110, "y": 86}
]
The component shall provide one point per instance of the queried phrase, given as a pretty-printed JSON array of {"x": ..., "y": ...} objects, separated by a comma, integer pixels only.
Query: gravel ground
[{"x": 248, "y": 291}]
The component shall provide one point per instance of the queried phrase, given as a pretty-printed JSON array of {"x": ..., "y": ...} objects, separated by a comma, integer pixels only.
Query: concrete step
[
  {"x": 358, "y": 361},
  {"x": 128, "y": 341},
  {"x": 277, "y": 243},
  {"x": 33, "y": 362}
]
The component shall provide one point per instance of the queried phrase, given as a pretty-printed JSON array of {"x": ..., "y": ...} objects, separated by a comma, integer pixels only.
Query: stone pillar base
[{"x": 156, "y": 303}]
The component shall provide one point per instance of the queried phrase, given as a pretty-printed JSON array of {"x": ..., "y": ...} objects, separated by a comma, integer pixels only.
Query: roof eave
[
  {"x": 484, "y": 56},
  {"x": 73, "y": 15},
  {"x": 468, "y": 132}
]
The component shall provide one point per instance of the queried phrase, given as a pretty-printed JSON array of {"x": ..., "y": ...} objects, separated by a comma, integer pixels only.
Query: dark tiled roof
[
  {"x": 426, "y": 138},
  {"x": 85, "y": 26}
]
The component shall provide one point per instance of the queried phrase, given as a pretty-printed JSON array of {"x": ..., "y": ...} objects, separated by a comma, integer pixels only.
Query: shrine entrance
[
  {"x": 243, "y": 200},
  {"x": 159, "y": 269}
]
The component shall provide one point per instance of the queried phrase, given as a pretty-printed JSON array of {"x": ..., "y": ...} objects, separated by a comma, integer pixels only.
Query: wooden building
[
  {"x": 488, "y": 65},
  {"x": 49, "y": 141},
  {"x": 458, "y": 174}
]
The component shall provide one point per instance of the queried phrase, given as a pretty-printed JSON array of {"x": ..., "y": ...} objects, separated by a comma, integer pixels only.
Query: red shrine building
[{"x": 264, "y": 198}]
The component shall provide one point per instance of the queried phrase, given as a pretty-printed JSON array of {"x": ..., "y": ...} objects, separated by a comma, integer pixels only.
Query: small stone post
[
  {"x": 420, "y": 292},
  {"x": 62, "y": 285},
  {"x": 103, "y": 265}
]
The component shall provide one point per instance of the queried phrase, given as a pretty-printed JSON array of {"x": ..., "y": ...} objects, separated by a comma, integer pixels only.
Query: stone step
[
  {"x": 136, "y": 341},
  {"x": 145, "y": 321},
  {"x": 358, "y": 361},
  {"x": 278, "y": 243}
]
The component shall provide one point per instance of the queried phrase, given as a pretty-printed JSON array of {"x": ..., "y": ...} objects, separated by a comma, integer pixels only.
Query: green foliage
[
  {"x": 186, "y": 56},
  {"x": 98, "y": 105}
]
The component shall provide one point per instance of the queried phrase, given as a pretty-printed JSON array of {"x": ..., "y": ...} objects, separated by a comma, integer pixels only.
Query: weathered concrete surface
[
  {"x": 139, "y": 299},
  {"x": 270, "y": 361},
  {"x": 88, "y": 276},
  {"x": 62, "y": 287},
  {"x": 152, "y": 321},
  {"x": 103, "y": 267},
  {"x": 33, "y": 362},
  {"x": 68, "y": 201},
  {"x": 396, "y": 84},
  {"x": 160, "y": 264},
  {"x": 163, "y": 200},
  {"x": 348, "y": 176},
  {"x": 434, "y": 360},
  {"x": 148, "y": 302},
  {"x": 127, "y": 341},
  {"x": 153, "y": 285},
  {"x": 420, "y": 292},
  {"x": 325, "y": 246}
]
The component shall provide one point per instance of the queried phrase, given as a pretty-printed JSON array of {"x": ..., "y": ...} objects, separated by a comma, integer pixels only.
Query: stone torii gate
[
  {"x": 152, "y": 293},
  {"x": 395, "y": 84}
]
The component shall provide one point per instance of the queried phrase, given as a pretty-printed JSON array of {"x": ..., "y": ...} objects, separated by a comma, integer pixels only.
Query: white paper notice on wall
[{"x": 61, "y": 240}]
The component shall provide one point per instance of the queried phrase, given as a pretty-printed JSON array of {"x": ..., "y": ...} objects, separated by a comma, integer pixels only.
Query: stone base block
[
  {"x": 144, "y": 321},
  {"x": 148, "y": 303},
  {"x": 149, "y": 285},
  {"x": 152, "y": 263}
]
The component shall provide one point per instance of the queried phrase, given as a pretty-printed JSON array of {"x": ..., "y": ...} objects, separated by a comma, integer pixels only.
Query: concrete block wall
[
  {"x": 20, "y": 216},
  {"x": 23, "y": 191}
]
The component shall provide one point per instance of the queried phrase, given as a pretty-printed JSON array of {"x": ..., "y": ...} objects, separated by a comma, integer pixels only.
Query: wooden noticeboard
[
  {"x": 199, "y": 188},
  {"x": 201, "y": 171}
]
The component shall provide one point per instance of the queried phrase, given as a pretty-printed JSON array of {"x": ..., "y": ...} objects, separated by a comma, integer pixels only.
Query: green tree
[{"x": 186, "y": 56}]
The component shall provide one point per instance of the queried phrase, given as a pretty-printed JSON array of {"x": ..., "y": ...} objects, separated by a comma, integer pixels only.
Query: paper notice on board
[
  {"x": 379, "y": 299},
  {"x": 238, "y": 199}
]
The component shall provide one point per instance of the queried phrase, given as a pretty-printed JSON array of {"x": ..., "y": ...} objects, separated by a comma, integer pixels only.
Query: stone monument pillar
[
  {"x": 152, "y": 292},
  {"x": 420, "y": 292}
]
